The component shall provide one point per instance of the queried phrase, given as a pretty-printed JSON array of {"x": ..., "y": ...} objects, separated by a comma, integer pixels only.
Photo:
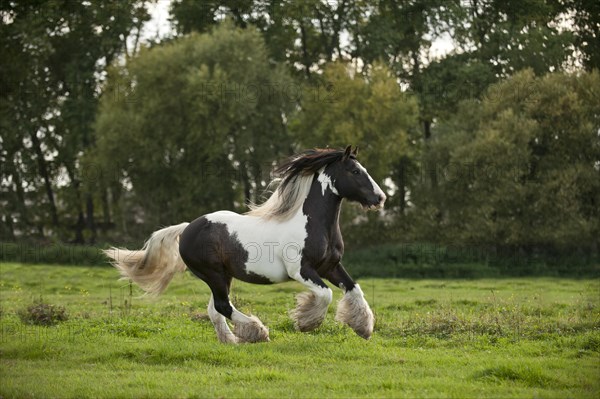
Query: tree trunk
[
  {"x": 305, "y": 60},
  {"x": 105, "y": 211},
  {"x": 79, "y": 229},
  {"x": 402, "y": 183},
  {"x": 402, "y": 197},
  {"x": 20, "y": 197},
  {"x": 90, "y": 222},
  {"x": 426, "y": 129},
  {"x": 431, "y": 169},
  {"x": 43, "y": 169},
  {"x": 337, "y": 23},
  {"x": 80, "y": 224},
  {"x": 9, "y": 228}
]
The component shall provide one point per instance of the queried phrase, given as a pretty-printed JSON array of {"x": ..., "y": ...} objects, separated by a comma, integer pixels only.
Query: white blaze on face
[{"x": 376, "y": 189}]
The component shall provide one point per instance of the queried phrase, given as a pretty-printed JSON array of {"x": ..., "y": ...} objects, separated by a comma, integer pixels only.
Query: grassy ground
[{"x": 533, "y": 337}]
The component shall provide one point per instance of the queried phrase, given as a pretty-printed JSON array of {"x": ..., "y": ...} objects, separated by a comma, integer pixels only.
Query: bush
[
  {"x": 422, "y": 260},
  {"x": 401, "y": 260},
  {"x": 59, "y": 254},
  {"x": 43, "y": 314}
]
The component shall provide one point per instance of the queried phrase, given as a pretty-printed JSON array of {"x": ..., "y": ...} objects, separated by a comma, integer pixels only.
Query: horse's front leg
[
  {"x": 352, "y": 309},
  {"x": 311, "y": 306}
]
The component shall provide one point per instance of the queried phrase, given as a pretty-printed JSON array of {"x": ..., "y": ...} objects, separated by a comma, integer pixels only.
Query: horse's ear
[
  {"x": 347, "y": 152},
  {"x": 355, "y": 151}
]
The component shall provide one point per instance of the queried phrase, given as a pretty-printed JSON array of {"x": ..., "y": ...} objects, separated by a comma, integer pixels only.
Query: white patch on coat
[
  {"x": 326, "y": 182},
  {"x": 324, "y": 293},
  {"x": 274, "y": 247}
]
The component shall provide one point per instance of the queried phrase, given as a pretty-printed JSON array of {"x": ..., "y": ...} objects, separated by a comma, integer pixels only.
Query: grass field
[{"x": 529, "y": 337}]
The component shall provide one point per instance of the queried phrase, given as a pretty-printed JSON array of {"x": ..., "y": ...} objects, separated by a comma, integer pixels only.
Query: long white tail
[{"x": 152, "y": 267}]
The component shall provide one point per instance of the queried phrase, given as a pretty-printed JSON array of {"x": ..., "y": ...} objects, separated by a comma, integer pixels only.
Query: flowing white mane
[
  {"x": 285, "y": 200},
  {"x": 296, "y": 178}
]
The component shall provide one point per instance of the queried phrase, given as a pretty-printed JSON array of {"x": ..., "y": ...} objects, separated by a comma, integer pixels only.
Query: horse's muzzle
[{"x": 377, "y": 205}]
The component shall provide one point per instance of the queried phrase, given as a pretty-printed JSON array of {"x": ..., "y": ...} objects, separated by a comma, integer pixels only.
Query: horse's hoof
[
  {"x": 354, "y": 311},
  {"x": 252, "y": 331},
  {"x": 309, "y": 312}
]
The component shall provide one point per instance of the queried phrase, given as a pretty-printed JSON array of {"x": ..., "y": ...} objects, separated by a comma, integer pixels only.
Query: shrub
[{"x": 43, "y": 314}]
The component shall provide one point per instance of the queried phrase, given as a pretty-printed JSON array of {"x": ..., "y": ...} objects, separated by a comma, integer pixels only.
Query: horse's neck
[{"x": 322, "y": 209}]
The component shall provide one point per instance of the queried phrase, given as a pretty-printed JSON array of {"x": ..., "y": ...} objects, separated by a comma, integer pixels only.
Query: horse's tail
[{"x": 152, "y": 267}]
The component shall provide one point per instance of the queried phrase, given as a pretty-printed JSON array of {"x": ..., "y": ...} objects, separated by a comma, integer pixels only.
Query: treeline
[{"x": 494, "y": 145}]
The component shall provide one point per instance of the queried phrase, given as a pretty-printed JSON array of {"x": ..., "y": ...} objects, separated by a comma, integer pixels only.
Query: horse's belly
[
  {"x": 271, "y": 256},
  {"x": 274, "y": 271}
]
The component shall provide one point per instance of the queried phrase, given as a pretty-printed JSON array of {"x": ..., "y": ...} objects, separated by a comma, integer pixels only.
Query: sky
[{"x": 159, "y": 25}]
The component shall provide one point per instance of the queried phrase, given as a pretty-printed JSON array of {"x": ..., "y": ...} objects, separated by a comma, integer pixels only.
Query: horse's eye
[{"x": 355, "y": 172}]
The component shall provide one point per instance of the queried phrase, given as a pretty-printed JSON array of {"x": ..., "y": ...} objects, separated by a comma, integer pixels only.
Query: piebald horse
[{"x": 294, "y": 235}]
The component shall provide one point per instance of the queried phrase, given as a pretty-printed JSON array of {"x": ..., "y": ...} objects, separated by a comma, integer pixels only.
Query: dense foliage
[
  {"x": 493, "y": 145},
  {"x": 195, "y": 127}
]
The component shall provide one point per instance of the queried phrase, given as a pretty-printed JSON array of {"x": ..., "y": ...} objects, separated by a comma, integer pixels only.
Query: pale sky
[{"x": 159, "y": 25}]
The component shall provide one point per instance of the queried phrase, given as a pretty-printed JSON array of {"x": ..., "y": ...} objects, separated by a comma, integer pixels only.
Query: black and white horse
[{"x": 295, "y": 235}]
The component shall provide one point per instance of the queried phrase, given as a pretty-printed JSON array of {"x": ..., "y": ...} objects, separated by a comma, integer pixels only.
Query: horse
[{"x": 293, "y": 235}]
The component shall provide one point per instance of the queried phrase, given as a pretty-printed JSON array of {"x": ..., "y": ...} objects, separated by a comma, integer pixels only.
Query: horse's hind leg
[
  {"x": 245, "y": 328},
  {"x": 220, "y": 323}
]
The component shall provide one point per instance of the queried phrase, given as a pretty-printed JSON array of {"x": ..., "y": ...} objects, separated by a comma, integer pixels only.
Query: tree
[
  {"x": 520, "y": 168},
  {"x": 371, "y": 111},
  {"x": 586, "y": 19},
  {"x": 493, "y": 40},
  {"x": 55, "y": 53},
  {"x": 304, "y": 34},
  {"x": 193, "y": 125}
]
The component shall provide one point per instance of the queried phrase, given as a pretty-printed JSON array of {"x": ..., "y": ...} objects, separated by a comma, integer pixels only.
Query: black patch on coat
[
  {"x": 209, "y": 250},
  {"x": 323, "y": 246}
]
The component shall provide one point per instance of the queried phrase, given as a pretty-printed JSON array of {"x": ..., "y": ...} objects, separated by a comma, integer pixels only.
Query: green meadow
[{"x": 509, "y": 337}]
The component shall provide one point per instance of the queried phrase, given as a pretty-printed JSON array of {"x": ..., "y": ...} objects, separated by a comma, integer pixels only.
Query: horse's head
[{"x": 351, "y": 181}]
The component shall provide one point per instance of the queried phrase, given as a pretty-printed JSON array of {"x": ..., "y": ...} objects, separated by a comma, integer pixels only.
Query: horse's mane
[{"x": 295, "y": 176}]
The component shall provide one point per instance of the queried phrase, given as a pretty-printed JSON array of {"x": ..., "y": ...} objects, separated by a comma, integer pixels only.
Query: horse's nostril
[{"x": 382, "y": 198}]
